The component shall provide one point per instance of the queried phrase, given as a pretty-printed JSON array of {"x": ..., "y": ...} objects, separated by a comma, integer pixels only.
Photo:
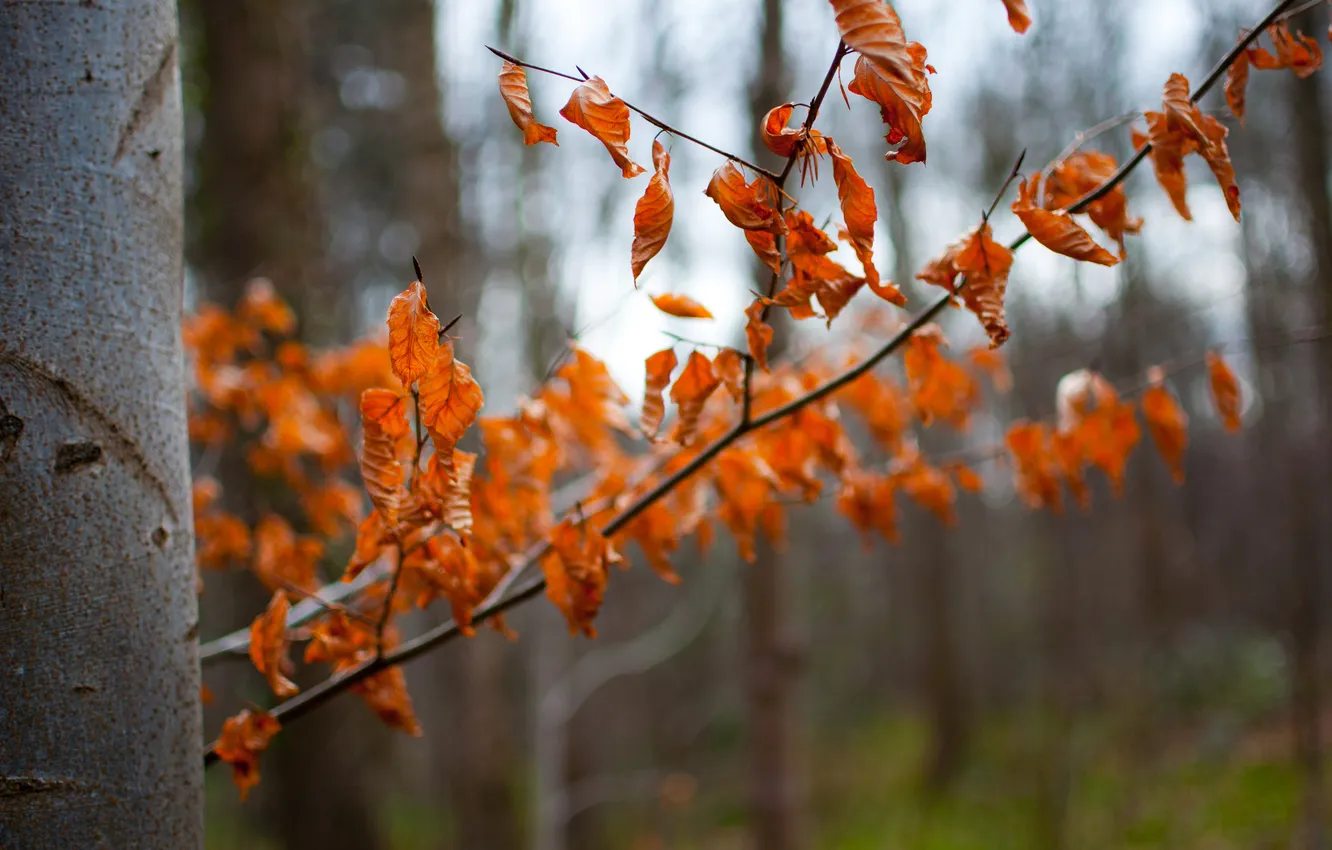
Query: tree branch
[
  {"x": 308, "y": 700},
  {"x": 647, "y": 116}
]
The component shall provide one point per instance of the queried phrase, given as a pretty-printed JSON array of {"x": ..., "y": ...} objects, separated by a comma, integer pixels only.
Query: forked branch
[{"x": 310, "y": 699}]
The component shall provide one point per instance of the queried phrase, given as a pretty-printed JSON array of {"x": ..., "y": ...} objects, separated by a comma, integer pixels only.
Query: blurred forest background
[{"x": 1147, "y": 674}]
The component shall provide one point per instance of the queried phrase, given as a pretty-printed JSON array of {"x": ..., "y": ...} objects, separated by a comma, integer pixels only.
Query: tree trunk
[
  {"x": 256, "y": 212},
  {"x": 1312, "y": 165},
  {"x": 778, "y": 796},
  {"x": 99, "y": 680}
]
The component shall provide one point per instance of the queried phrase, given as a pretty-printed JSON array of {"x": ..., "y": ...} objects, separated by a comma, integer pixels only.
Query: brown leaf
[
  {"x": 576, "y": 573},
  {"x": 596, "y": 110},
  {"x": 654, "y": 213},
  {"x": 860, "y": 213},
  {"x": 1057, "y": 230},
  {"x": 891, "y": 71},
  {"x": 985, "y": 264},
  {"x": 1237, "y": 80},
  {"x": 268, "y": 645},
  {"x": 1180, "y": 129},
  {"x": 244, "y": 738},
  {"x": 1019, "y": 18},
  {"x": 413, "y": 334},
  {"x": 764, "y": 245},
  {"x": 690, "y": 392},
  {"x": 1225, "y": 391},
  {"x": 659, "y": 368},
  {"x": 1167, "y": 422},
  {"x": 380, "y": 470},
  {"x": 730, "y": 368},
  {"x": 750, "y": 206},
  {"x": 450, "y": 400},
  {"x": 758, "y": 333},
  {"x": 513, "y": 88},
  {"x": 779, "y": 138},
  {"x": 681, "y": 306},
  {"x": 1081, "y": 173}
]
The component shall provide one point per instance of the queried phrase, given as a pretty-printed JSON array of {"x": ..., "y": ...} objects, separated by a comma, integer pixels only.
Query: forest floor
[{"x": 1099, "y": 784}]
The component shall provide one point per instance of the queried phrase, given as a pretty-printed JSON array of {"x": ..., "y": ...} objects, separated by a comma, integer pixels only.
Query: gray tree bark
[{"x": 100, "y": 738}]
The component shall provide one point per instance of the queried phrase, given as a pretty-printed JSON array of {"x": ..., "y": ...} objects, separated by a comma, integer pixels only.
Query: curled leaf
[
  {"x": 268, "y": 645},
  {"x": 779, "y": 138},
  {"x": 758, "y": 334},
  {"x": 1225, "y": 391},
  {"x": 690, "y": 391},
  {"x": 380, "y": 469},
  {"x": 605, "y": 116},
  {"x": 513, "y": 88},
  {"x": 860, "y": 213},
  {"x": 985, "y": 265},
  {"x": 1237, "y": 80},
  {"x": 1019, "y": 18},
  {"x": 1056, "y": 229},
  {"x": 747, "y": 205},
  {"x": 1167, "y": 422},
  {"x": 681, "y": 306},
  {"x": 1081, "y": 173},
  {"x": 658, "y": 368},
  {"x": 1181, "y": 129},
  {"x": 450, "y": 400},
  {"x": 654, "y": 212},
  {"x": 730, "y": 368},
  {"x": 413, "y": 334},
  {"x": 244, "y": 738},
  {"x": 576, "y": 573},
  {"x": 891, "y": 71}
]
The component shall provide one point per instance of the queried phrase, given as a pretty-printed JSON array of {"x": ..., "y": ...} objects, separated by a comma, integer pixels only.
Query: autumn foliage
[{"x": 387, "y": 466}]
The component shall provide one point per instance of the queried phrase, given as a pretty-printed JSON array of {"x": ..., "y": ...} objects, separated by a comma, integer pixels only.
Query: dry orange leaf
[
  {"x": 458, "y": 498},
  {"x": 985, "y": 265},
  {"x": 1237, "y": 80},
  {"x": 413, "y": 334},
  {"x": 860, "y": 213},
  {"x": 993, "y": 365},
  {"x": 691, "y": 390},
  {"x": 450, "y": 400},
  {"x": 654, "y": 212},
  {"x": 891, "y": 71},
  {"x": 1167, "y": 422},
  {"x": 750, "y": 206},
  {"x": 1056, "y": 229},
  {"x": 576, "y": 573},
  {"x": 764, "y": 245},
  {"x": 386, "y": 694},
  {"x": 1019, "y": 18},
  {"x": 779, "y": 138},
  {"x": 1300, "y": 53},
  {"x": 268, "y": 645},
  {"x": 513, "y": 88},
  {"x": 244, "y": 738},
  {"x": 596, "y": 110},
  {"x": 940, "y": 388},
  {"x": 1083, "y": 172},
  {"x": 380, "y": 470},
  {"x": 1181, "y": 129},
  {"x": 1035, "y": 474},
  {"x": 1225, "y": 391},
  {"x": 659, "y": 368},
  {"x": 758, "y": 333},
  {"x": 729, "y": 365},
  {"x": 681, "y": 306}
]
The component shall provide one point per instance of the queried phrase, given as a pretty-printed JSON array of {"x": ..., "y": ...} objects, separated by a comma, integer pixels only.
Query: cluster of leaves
[{"x": 749, "y": 437}]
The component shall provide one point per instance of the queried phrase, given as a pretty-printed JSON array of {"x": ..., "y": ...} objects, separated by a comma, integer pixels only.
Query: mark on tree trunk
[
  {"x": 150, "y": 98},
  {"x": 120, "y": 444},
  {"x": 71, "y": 456},
  {"x": 11, "y": 428}
]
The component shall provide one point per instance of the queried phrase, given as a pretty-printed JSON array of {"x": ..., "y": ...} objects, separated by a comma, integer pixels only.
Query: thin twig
[
  {"x": 1003, "y": 190},
  {"x": 1085, "y": 136},
  {"x": 647, "y": 116},
  {"x": 310, "y": 699}
]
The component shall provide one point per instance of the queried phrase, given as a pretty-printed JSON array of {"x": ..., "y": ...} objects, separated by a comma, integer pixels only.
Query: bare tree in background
[
  {"x": 258, "y": 214},
  {"x": 99, "y": 675}
]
